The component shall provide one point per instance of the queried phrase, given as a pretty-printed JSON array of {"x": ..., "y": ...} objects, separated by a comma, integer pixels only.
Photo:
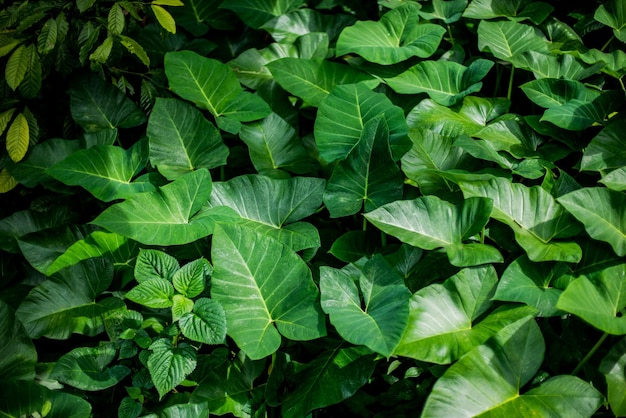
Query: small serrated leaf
[
  {"x": 134, "y": 48},
  {"x": 15, "y": 69},
  {"x": 169, "y": 365},
  {"x": 116, "y": 20},
  {"x": 164, "y": 18},
  {"x": 181, "y": 305},
  {"x": 47, "y": 37},
  {"x": 17, "y": 138},
  {"x": 207, "y": 322},
  {"x": 156, "y": 293},
  {"x": 155, "y": 264},
  {"x": 190, "y": 279}
]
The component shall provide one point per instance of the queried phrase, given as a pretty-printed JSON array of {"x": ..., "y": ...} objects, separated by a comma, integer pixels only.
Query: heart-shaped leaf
[
  {"x": 255, "y": 13},
  {"x": 506, "y": 40},
  {"x": 169, "y": 365},
  {"x": 613, "y": 14},
  {"x": 153, "y": 293},
  {"x": 606, "y": 150},
  {"x": 206, "y": 323}
]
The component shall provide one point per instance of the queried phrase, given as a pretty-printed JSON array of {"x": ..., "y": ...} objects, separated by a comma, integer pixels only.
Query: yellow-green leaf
[
  {"x": 101, "y": 54},
  {"x": 16, "y": 67},
  {"x": 116, "y": 19},
  {"x": 5, "y": 118},
  {"x": 134, "y": 48},
  {"x": 165, "y": 18},
  {"x": 7, "y": 43},
  {"x": 168, "y": 2},
  {"x": 7, "y": 182},
  {"x": 17, "y": 138},
  {"x": 47, "y": 37}
]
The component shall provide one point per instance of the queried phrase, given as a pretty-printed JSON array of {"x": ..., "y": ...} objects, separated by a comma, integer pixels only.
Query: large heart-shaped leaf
[
  {"x": 290, "y": 26},
  {"x": 448, "y": 11},
  {"x": 533, "y": 214},
  {"x": 67, "y": 302},
  {"x": 579, "y": 114},
  {"x": 182, "y": 140},
  {"x": 506, "y": 40},
  {"x": 106, "y": 171},
  {"x": 602, "y": 213},
  {"x": 367, "y": 176},
  {"x": 599, "y": 299},
  {"x": 256, "y": 12},
  {"x": 443, "y": 320},
  {"x": 26, "y": 398},
  {"x": 429, "y": 222},
  {"x": 396, "y": 37},
  {"x": 343, "y": 114},
  {"x": 17, "y": 352},
  {"x": 380, "y": 319},
  {"x": 613, "y": 14},
  {"x": 506, "y": 363},
  {"x": 169, "y": 216},
  {"x": 266, "y": 290},
  {"x": 446, "y": 82}
]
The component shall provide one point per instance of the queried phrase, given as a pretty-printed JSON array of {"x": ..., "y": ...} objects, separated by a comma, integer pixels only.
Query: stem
[
  {"x": 450, "y": 35},
  {"x": 510, "y": 91},
  {"x": 364, "y": 224},
  {"x": 607, "y": 43},
  {"x": 590, "y": 354}
]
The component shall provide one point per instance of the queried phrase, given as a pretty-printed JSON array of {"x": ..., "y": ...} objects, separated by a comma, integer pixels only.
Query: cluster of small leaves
[{"x": 290, "y": 209}]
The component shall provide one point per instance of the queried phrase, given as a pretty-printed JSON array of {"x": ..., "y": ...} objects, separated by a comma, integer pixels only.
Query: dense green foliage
[{"x": 272, "y": 208}]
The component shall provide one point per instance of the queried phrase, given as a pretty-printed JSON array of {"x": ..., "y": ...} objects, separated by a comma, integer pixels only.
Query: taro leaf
[
  {"x": 446, "y": 82},
  {"x": 533, "y": 214},
  {"x": 379, "y": 321},
  {"x": 274, "y": 146},
  {"x": 615, "y": 180},
  {"x": 557, "y": 67},
  {"x": 17, "y": 352},
  {"x": 23, "y": 222},
  {"x": 448, "y": 11},
  {"x": 396, "y": 37},
  {"x": 506, "y": 40},
  {"x": 261, "y": 282},
  {"x": 530, "y": 283},
  {"x": 155, "y": 264},
  {"x": 599, "y": 299},
  {"x": 580, "y": 114},
  {"x": 613, "y": 14},
  {"x": 489, "y": 9},
  {"x": 290, "y": 26},
  {"x": 273, "y": 207},
  {"x": 354, "y": 245},
  {"x": 367, "y": 176},
  {"x": 97, "y": 105},
  {"x": 27, "y": 398},
  {"x": 473, "y": 114},
  {"x": 550, "y": 92},
  {"x": 510, "y": 134},
  {"x": 313, "y": 79},
  {"x": 505, "y": 363},
  {"x": 606, "y": 150},
  {"x": 257, "y": 12},
  {"x": 333, "y": 376},
  {"x": 97, "y": 244},
  {"x": 66, "y": 302},
  {"x": 602, "y": 213},
  {"x": 343, "y": 114},
  {"x": 429, "y": 223},
  {"x": 106, "y": 171},
  {"x": 182, "y": 140},
  {"x": 86, "y": 368},
  {"x": 169, "y": 365},
  {"x": 206, "y": 323},
  {"x": 613, "y": 366},
  {"x": 615, "y": 61},
  {"x": 168, "y": 216},
  {"x": 443, "y": 323}
]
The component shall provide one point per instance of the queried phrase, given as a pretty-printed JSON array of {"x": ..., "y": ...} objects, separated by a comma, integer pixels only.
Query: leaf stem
[
  {"x": 590, "y": 354},
  {"x": 510, "y": 91},
  {"x": 450, "y": 35},
  {"x": 364, "y": 224},
  {"x": 607, "y": 43}
]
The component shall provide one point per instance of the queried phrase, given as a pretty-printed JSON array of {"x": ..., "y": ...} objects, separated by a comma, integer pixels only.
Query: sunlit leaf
[{"x": 18, "y": 138}]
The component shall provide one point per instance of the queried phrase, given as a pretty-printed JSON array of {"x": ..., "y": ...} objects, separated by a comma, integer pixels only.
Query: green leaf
[
  {"x": 396, "y": 37},
  {"x": 549, "y": 92},
  {"x": 169, "y": 216},
  {"x": 18, "y": 138},
  {"x": 533, "y": 214},
  {"x": 106, "y": 171},
  {"x": 188, "y": 410},
  {"x": 444, "y": 318},
  {"x": 601, "y": 212},
  {"x": 154, "y": 293},
  {"x": 448, "y": 11},
  {"x": 429, "y": 223},
  {"x": 606, "y": 150},
  {"x": 26, "y": 398},
  {"x": 344, "y": 113},
  {"x": 445, "y": 82},
  {"x": 313, "y": 79},
  {"x": 613, "y": 14},
  {"x": 190, "y": 279},
  {"x": 17, "y": 352},
  {"x": 507, "y": 40},
  {"x": 580, "y": 114},
  {"x": 599, "y": 299},
  {"x": 489, "y": 9},
  {"x": 257, "y": 12},
  {"x": 86, "y": 368},
  {"x": 47, "y": 38},
  {"x": 260, "y": 282},
  {"x": 292, "y": 25},
  {"x": 66, "y": 302},
  {"x": 103, "y": 51},
  {"x": 380, "y": 319},
  {"x": 136, "y": 49},
  {"x": 24, "y": 222},
  {"x": 116, "y": 21},
  {"x": 206, "y": 323},
  {"x": 164, "y": 18},
  {"x": 97, "y": 105},
  {"x": 557, "y": 67},
  {"x": 182, "y": 140},
  {"x": 333, "y": 376},
  {"x": 613, "y": 368},
  {"x": 169, "y": 365},
  {"x": 353, "y": 245},
  {"x": 155, "y": 264},
  {"x": 615, "y": 180},
  {"x": 16, "y": 67},
  {"x": 505, "y": 363}
]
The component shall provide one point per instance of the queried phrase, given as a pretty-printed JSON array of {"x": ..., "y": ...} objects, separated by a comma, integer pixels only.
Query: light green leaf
[
  {"x": 103, "y": 51},
  {"x": 180, "y": 306},
  {"x": 25, "y": 398},
  {"x": 206, "y": 323},
  {"x": 599, "y": 299},
  {"x": 18, "y": 138},
  {"x": 169, "y": 216},
  {"x": 86, "y": 368},
  {"x": 116, "y": 21},
  {"x": 260, "y": 282},
  {"x": 380, "y": 319},
  {"x": 16, "y": 67},
  {"x": 489, "y": 9},
  {"x": 602, "y": 213},
  {"x": 257, "y": 12},
  {"x": 164, "y": 18},
  {"x": 564, "y": 66},
  {"x": 66, "y": 302},
  {"x": 169, "y": 365},
  {"x": 135, "y": 48},
  {"x": 154, "y": 293},
  {"x": 190, "y": 280},
  {"x": 182, "y": 140},
  {"x": 343, "y": 114},
  {"x": 446, "y": 82},
  {"x": 613, "y": 14},
  {"x": 17, "y": 352},
  {"x": 155, "y": 264},
  {"x": 506, "y": 40},
  {"x": 613, "y": 367},
  {"x": 615, "y": 180},
  {"x": 396, "y": 37}
]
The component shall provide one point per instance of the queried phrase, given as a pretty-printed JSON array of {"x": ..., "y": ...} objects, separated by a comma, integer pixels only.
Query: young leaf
[
  {"x": 379, "y": 321},
  {"x": 16, "y": 67},
  {"x": 155, "y": 264},
  {"x": 164, "y": 18},
  {"x": 169, "y": 365},
  {"x": 18, "y": 138},
  {"x": 206, "y": 323},
  {"x": 367, "y": 176},
  {"x": 103, "y": 51},
  {"x": 260, "y": 282},
  {"x": 396, "y": 37},
  {"x": 154, "y": 293},
  {"x": 17, "y": 352}
]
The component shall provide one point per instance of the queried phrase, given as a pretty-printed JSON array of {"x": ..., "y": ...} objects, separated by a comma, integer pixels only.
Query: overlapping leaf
[
  {"x": 506, "y": 40},
  {"x": 17, "y": 352},
  {"x": 257, "y": 12}
]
